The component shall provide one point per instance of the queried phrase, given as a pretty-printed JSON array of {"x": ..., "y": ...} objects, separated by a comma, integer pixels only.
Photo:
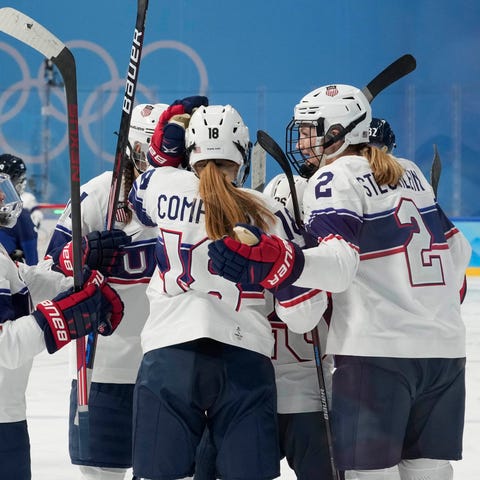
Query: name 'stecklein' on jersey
[{"x": 409, "y": 180}]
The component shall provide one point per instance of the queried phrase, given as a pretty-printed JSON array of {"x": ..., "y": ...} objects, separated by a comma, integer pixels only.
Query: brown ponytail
[{"x": 128, "y": 178}]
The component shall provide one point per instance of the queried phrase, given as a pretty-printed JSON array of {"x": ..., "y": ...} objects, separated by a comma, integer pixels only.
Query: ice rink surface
[{"x": 48, "y": 392}]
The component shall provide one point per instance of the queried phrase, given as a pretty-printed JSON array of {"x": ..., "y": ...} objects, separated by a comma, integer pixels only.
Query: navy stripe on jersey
[
  {"x": 379, "y": 232},
  {"x": 382, "y": 232},
  {"x": 342, "y": 222},
  {"x": 287, "y": 223},
  {"x": 137, "y": 203},
  {"x": 137, "y": 207},
  {"x": 14, "y": 305}
]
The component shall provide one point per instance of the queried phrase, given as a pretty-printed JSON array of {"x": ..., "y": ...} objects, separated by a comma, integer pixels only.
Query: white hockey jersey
[
  {"x": 187, "y": 300},
  {"x": 394, "y": 263},
  {"x": 293, "y": 358},
  {"x": 117, "y": 356},
  {"x": 21, "y": 287}
]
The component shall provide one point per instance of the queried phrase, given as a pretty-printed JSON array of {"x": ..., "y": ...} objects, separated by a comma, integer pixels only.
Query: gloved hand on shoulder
[
  {"x": 70, "y": 315},
  {"x": 272, "y": 262},
  {"x": 167, "y": 148}
]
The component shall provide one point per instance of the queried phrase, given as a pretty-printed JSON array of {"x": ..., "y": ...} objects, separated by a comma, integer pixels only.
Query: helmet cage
[
  {"x": 10, "y": 202},
  {"x": 299, "y": 161},
  {"x": 138, "y": 156},
  {"x": 341, "y": 106},
  {"x": 142, "y": 126}
]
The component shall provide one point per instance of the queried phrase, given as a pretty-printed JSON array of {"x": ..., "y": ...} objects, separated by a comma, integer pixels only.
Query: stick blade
[
  {"x": 395, "y": 71},
  {"x": 273, "y": 149},
  {"x": 436, "y": 170},
  {"x": 30, "y": 32},
  {"x": 259, "y": 168}
]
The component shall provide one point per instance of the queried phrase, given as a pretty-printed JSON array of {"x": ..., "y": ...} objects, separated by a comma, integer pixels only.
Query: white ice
[{"x": 48, "y": 393}]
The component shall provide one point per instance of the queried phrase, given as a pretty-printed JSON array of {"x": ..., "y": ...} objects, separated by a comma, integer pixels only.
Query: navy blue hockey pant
[
  {"x": 110, "y": 423},
  {"x": 388, "y": 409},
  {"x": 184, "y": 388},
  {"x": 14, "y": 451}
]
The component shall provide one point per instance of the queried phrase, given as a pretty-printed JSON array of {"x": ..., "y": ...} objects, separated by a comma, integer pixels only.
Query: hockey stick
[
  {"x": 122, "y": 140},
  {"x": 435, "y": 170},
  {"x": 259, "y": 172},
  {"x": 128, "y": 100},
  {"x": 274, "y": 150},
  {"x": 395, "y": 71},
  {"x": 30, "y": 32}
]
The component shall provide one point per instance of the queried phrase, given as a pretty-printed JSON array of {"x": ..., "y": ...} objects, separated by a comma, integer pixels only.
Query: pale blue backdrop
[{"x": 260, "y": 56}]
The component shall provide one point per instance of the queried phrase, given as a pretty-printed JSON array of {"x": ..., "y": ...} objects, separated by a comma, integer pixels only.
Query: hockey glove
[
  {"x": 272, "y": 262},
  {"x": 167, "y": 148},
  {"x": 96, "y": 307},
  {"x": 102, "y": 251}
]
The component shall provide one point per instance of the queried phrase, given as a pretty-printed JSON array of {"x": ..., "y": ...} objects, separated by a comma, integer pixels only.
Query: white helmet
[
  {"x": 142, "y": 125},
  {"x": 325, "y": 107},
  {"x": 279, "y": 189},
  {"x": 217, "y": 132}
]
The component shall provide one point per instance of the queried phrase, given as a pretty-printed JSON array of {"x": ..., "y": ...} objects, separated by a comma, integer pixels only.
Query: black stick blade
[
  {"x": 275, "y": 151},
  {"x": 436, "y": 170},
  {"x": 395, "y": 71}
]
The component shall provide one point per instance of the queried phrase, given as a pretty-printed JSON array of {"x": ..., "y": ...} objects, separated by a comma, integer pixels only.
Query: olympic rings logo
[{"x": 89, "y": 113}]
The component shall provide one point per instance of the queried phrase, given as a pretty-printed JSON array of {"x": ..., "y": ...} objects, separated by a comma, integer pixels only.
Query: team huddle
[{"x": 206, "y": 295}]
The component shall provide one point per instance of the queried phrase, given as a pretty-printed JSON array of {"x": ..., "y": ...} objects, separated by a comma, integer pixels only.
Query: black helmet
[
  {"x": 381, "y": 134},
  {"x": 16, "y": 169}
]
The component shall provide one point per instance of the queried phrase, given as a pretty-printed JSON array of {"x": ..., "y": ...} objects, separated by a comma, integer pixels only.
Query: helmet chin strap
[
  {"x": 334, "y": 154},
  {"x": 339, "y": 136},
  {"x": 319, "y": 154},
  {"x": 323, "y": 157}
]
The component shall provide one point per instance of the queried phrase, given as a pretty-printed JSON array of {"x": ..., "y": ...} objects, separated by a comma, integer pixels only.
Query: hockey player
[
  {"x": 25, "y": 332},
  {"x": 395, "y": 265},
  {"x": 117, "y": 359},
  {"x": 300, "y": 417},
  {"x": 206, "y": 342},
  {"x": 381, "y": 135},
  {"x": 20, "y": 241}
]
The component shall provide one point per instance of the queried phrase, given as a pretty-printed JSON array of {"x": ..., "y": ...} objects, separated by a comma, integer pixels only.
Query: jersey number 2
[{"x": 425, "y": 268}]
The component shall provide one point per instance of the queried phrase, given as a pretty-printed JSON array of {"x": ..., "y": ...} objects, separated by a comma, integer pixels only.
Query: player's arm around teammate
[
  {"x": 207, "y": 342},
  {"x": 394, "y": 264}
]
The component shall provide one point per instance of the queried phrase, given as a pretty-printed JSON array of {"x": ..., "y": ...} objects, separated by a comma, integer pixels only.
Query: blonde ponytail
[
  {"x": 385, "y": 167},
  {"x": 225, "y": 205}
]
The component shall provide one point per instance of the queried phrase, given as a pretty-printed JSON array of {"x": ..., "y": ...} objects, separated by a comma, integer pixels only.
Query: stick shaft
[{"x": 30, "y": 32}]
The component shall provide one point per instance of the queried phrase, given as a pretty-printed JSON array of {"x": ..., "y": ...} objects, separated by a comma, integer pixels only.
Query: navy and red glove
[
  {"x": 271, "y": 263},
  {"x": 167, "y": 147},
  {"x": 101, "y": 251},
  {"x": 96, "y": 307}
]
